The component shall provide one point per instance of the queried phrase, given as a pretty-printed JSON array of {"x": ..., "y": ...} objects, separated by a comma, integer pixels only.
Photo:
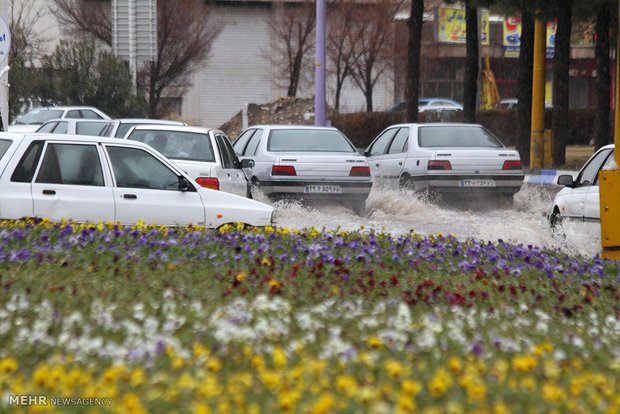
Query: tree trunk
[
  {"x": 524, "y": 94},
  {"x": 472, "y": 65},
  {"x": 603, "y": 77},
  {"x": 412, "y": 91},
  {"x": 561, "y": 63}
]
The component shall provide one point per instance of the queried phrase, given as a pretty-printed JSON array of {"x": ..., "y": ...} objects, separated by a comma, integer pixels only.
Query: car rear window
[
  {"x": 178, "y": 145},
  {"x": 456, "y": 136},
  {"x": 4, "y": 145},
  {"x": 304, "y": 140},
  {"x": 40, "y": 116}
]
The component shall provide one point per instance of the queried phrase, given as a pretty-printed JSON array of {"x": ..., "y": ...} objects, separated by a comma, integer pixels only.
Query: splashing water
[{"x": 524, "y": 221}]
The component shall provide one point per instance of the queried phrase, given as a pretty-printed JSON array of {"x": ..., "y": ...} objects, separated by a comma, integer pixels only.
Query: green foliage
[{"x": 78, "y": 74}]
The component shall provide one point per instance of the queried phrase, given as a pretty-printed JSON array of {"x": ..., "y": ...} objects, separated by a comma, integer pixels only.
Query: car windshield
[
  {"x": 123, "y": 128},
  {"x": 39, "y": 116},
  {"x": 456, "y": 136},
  {"x": 4, "y": 145},
  {"x": 178, "y": 145},
  {"x": 304, "y": 140}
]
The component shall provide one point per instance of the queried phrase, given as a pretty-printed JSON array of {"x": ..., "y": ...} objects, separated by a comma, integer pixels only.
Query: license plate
[
  {"x": 323, "y": 189},
  {"x": 478, "y": 183}
]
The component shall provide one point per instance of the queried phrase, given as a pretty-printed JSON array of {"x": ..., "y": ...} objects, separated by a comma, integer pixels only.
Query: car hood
[
  {"x": 222, "y": 208},
  {"x": 24, "y": 127}
]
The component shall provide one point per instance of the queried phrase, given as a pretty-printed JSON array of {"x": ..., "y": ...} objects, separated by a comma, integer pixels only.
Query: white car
[
  {"x": 118, "y": 128},
  {"x": 205, "y": 154},
  {"x": 307, "y": 163},
  {"x": 445, "y": 158},
  {"x": 579, "y": 200},
  {"x": 32, "y": 120},
  {"x": 93, "y": 179},
  {"x": 74, "y": 126}
]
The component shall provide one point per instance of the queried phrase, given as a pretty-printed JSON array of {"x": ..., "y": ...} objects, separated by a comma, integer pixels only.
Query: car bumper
[
  {"x": 316, "y": 189},
  {"x": 467, "y": 184}
]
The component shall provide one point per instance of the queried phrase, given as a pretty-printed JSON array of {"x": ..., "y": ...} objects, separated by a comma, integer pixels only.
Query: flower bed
[{"x": 273, "y": 320}]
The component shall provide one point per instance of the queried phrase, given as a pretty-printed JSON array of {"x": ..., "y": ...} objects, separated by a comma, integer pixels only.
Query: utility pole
[
  {"x": 538, "y": 94},
  {"x": 609, "y": 180},
  {"x": 5, "y": 47},
  {"x": 319, "y": 78}
]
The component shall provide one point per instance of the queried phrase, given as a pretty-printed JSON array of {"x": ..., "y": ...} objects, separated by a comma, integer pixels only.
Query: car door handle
[
  {"x": 49, "y": 192},
  {"x": 376, "y": 165},
  {"x": 400, "y": 163},
  {"x": 130, "y": 196}
]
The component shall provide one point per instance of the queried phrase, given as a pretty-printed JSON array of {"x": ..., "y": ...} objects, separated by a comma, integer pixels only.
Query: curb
[{"x": 546, "y": 177}]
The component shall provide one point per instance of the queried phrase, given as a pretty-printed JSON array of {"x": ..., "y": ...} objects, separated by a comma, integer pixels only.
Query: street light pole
[
  {"x": 5, "y": 44},
  {"x": 319, "y": 79}
]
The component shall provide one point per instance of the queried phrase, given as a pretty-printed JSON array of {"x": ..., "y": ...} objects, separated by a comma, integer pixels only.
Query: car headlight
[{"x": 274, "y": 217}]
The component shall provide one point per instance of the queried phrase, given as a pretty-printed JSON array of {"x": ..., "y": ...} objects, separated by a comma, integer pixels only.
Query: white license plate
[
  {"x": 478, "y": 183},
  {"x": 323, "y": 189}
]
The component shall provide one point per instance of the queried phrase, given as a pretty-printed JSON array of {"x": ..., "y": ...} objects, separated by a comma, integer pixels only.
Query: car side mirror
[
  {"x": 566, "y": 180},
  {"x": 247, "y": 163},
  {"x": 183, "y": 184}
]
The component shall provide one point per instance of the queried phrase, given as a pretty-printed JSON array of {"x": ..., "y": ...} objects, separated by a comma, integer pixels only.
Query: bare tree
[
  {"x": 374, "y": 26},
  {"x": 341, "y": 44},
  {"x": 185, "y": 34},
  {"x": 26, "y": 45},
  {"x": 291, "y": 30}
]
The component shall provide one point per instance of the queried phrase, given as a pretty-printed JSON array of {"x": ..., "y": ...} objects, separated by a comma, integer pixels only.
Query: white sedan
[
  {"x": 445, "y": 158},
  {"x": 306, "y": 163},
  {"x": 579, "y": 200},
  {"x": 92, "y": 179}
]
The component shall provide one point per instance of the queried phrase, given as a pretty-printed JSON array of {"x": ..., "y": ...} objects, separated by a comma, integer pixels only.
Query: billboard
[
  {"x": 511, "y": 37},
  {"x": 452, "y": 27}
]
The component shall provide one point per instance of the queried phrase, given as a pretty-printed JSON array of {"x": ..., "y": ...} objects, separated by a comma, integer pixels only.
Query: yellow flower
[
  {"x": 524, "y": 363},
  {"x": 323, "y": 405},
  {"x": 132, "y": 403},
  {"x": 406, "y": 404},
  {"x": 374, "y": 342},
  {"x": 240, "y": 276},
  {"x": 213, "y": 364},
  {"x": 529, "y": 383},
  {"x": 552, "y": 392},
  {"x": 393, "y": 368},
  {"x": 411, "y": 387},
  {"x": 8, "y": 365},
  {"x": 345, "y": 384},
  {"x": 454, "y": 365},
  {"x": 279, "y": 357},
  {"x": 440, "y": 382}
]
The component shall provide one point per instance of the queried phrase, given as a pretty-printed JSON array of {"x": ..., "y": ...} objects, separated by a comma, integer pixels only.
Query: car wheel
[
  {"x": 405, "y": 182},
  {"x": 555, "y": 220},
  {"x": 358, "y": 207}
]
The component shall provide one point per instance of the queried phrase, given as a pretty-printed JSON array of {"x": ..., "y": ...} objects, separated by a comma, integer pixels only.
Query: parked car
[
  {"x": 92, "y": 179},
  {"x": 118, "y": 128},
  {"x": 429, "y": 104},
  {"x": 32, "y": 120},
  {"x": 579, "y": 199},
  {"x": 307, "y": 163},
  {"x": 205, "y": 154},
  {"x": 74, "y": 126},
  {"x": 444, "y": 158},
  {"x": 512, "y": 104}
]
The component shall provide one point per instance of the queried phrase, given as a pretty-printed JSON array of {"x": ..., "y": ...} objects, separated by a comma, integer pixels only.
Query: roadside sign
[{"x": 5, "y": 40}]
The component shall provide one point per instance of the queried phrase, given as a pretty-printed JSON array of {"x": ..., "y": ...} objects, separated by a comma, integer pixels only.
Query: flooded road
[{"x": 399, "y": 212}]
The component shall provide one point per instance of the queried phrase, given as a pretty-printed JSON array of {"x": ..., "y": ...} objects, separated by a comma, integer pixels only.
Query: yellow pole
[
  {"x": 538, "y": 95},
  {"x": 609, "y": 181}
]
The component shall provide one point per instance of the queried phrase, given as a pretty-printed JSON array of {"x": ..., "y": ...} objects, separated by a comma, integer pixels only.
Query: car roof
[
  {"x": 150, "y": 121},
  {"x": 47, "y": 108},
  {"x": 436, "y": 124},
  {"x": 20, "y": 136},
  {"x": 280, "y": 126},
  {"x": 75, "y": 120},
  {"x": 179, "y": 128}
]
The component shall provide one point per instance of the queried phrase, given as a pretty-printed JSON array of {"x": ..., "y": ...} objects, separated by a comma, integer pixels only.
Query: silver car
[
  {"x": 32, "y": 120},
  {"x": 307, "y": 163},
  {"x": 118, "y": 128},
  {"x": 74, "y": 126},
  {"x": 205, "y": 154},
  {"x": 579, "y": 199},
  {"x": 445, "y": 158}
]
